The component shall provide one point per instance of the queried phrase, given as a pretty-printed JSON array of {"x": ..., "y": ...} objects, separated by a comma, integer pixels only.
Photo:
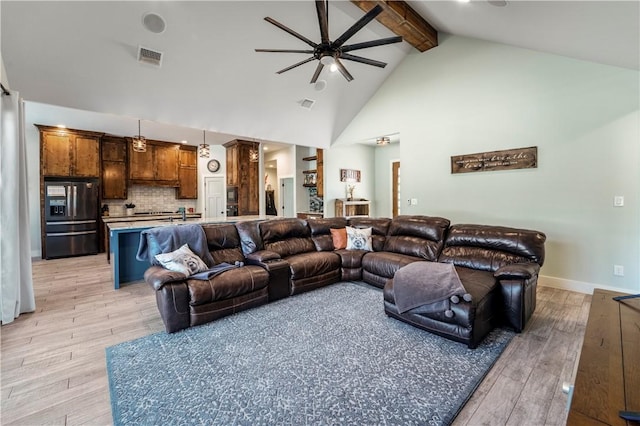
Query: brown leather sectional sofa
[{"x": 497, "y": 265}]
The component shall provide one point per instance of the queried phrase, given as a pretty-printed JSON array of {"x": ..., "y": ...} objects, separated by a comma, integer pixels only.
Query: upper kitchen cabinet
[
  {"x": 157, "y": 166},
  {"x": 114, "y": 167},
  {"x": 68, "y": 152},
  {"x": 187, "y": 173}
]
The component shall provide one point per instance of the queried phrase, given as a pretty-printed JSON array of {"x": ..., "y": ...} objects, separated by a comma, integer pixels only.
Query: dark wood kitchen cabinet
[
  {"x": 69, "y": 152},
  {"x": 243, "y": 178},
  {"x": 157, "y": 166},
  {"x": 114, "y": 167},
  {"x": 187, "y": 173}
]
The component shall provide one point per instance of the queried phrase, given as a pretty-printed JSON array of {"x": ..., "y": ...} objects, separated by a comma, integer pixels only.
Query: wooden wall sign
[
  {"x": 348, "y": 175},
  {"x": 508, "y": 159}
]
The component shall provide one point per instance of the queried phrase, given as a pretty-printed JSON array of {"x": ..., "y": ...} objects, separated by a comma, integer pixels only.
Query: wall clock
[{"x": 213, "y": 166}]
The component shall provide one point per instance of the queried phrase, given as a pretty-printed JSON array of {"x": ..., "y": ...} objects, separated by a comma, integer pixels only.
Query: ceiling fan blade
[
  {"x": 343, "y": 70},
  {"x": 323, "y": 19},
  {"x": 368, "y": 17},
  {"x": 296, "y": 65},
  {"x": 362, "y": 60},
  {"x": 290, "y": 31},
  {"x": 317, "y": 73},
  {"x": 372, "y": 43},
  {"x": 284, "y": 51}
]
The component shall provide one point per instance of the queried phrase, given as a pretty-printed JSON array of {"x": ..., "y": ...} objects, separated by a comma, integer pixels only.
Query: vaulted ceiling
[{"x": 83, "y": 55}]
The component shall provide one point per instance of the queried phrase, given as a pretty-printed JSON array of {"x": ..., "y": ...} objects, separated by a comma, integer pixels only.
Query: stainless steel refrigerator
[{"x": 71, "y": 217}]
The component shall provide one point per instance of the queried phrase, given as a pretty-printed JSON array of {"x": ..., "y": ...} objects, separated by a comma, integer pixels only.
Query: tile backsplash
[{"x": 149, "y": 199}]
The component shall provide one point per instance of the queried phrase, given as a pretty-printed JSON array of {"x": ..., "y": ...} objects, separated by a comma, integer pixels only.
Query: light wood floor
[{"x": 53, "y": 368}]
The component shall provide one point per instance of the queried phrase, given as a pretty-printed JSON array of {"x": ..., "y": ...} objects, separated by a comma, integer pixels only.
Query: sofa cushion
[
  {"x": 306, "y": 265},
  {"x": 182, "y": 260},
  {"x": 379, "y": 228},
  {"x": 418, "y": 236},
  {"x": 286, "y": 237},
  {"x": 339, "y": 238},
  {"x": 321, "y": 231},
  {"x": 385, "y": 264},
  {"x": 488, "y": 248},
  {"x": 224, "y": 243},
  {"x": 232, "y": 283},
  {"x": 359, "y": 238}
]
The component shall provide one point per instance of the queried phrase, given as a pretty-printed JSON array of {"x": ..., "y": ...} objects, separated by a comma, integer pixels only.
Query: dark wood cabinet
[
  {"x": 243, "y": 175},
  {"x": 68, "y": 152},
  {"x": 187, "y": 173},
  {"x": 114, "y": 167},
  {"x": 157, "y": 166},
  {"x": 314, "y": 178}
]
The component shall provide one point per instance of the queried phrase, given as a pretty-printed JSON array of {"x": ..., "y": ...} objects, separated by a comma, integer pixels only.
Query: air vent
[
  {"x": 307, "y": 103},
  {"x": 149, "y": 56}
]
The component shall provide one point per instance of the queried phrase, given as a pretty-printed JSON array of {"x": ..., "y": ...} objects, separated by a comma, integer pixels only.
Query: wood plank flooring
[{"x": 53, "y": 369}]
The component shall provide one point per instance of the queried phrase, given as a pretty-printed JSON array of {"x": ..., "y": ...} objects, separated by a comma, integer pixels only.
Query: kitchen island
[{"x": 124, "y": 239}]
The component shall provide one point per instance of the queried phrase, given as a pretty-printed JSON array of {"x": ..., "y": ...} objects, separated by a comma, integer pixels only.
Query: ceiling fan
[{"x": 329, "y": 52}]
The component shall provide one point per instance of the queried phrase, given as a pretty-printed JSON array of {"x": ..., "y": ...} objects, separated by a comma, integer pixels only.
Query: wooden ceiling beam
[{"x": 400, "y": 18}]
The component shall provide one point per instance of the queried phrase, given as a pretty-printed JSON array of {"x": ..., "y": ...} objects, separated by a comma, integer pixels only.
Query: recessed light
[
  {"x": 183, "y": 142},
  {"x": 265, "y": 148},
  {"x": 154, "y": 22},
  {"x": 61, "y": 126}
]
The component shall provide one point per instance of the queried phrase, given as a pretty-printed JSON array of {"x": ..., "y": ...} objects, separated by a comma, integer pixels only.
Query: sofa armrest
[
  {"x": 262, "y": 256},
  {"x": 518, "y": 284},
  {"x": 157, "y": 276},
  {"x": 517, "y": 271}
]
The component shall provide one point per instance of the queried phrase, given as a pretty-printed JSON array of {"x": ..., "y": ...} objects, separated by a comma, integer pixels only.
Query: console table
[
  {"x": 350, "y": 208},
  {"x": 608, "y": 377}
]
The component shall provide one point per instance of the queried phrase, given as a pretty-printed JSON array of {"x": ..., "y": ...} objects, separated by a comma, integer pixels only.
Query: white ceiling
[{"x": 82, "y": 55}]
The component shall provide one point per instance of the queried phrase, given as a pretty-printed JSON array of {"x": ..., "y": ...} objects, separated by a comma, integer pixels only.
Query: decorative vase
[{"x": 130, "y": 212}]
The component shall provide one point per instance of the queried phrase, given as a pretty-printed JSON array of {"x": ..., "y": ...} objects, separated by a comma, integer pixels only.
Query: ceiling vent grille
[
  {"x": 149, "y": 56},
  {"x": 307, "y": 103}
]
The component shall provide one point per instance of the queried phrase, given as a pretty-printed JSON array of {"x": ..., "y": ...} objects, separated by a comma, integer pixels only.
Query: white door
[
  {"x": 286, "y": 197},
  {"x": 214, "y": 197}
]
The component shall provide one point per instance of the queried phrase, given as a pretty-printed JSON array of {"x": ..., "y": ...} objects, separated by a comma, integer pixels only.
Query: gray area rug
[{"x": 330, "y": 356}]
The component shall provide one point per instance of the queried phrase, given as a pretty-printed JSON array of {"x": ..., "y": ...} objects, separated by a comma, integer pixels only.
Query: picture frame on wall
[{"x": 349, "y": 175}]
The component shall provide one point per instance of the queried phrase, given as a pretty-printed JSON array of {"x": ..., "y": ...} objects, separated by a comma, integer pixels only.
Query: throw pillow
[
  {"x": 359, "y": 239},
  {"x": 182, "y": 260},
  {"x": 339, "y": 237}
]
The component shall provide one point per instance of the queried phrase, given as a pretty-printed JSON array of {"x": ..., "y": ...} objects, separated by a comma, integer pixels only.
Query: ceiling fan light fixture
[
  {"x": 333, "y": 67},
  {"x": 327, "y": 60}
]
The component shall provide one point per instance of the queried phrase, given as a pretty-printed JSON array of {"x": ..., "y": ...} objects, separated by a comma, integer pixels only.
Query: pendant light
[
  {"x": 203, "y": 148},
  {"x": 254, "y": 153},
  {"x": 139, "y": 142}
]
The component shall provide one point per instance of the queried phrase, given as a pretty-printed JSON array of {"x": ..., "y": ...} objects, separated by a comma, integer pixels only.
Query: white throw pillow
[
  {"x": 359, "y": 239},
  {"x": 182, "y": 260}
]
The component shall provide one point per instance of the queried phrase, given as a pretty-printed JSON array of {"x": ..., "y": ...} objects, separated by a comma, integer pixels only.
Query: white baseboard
[{"x": 578, "y": 286}]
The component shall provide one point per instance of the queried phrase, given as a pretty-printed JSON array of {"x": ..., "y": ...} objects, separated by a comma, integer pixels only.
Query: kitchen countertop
[
  {"x": 148, "y": 217},
  {"x": 122, "y": 225}
]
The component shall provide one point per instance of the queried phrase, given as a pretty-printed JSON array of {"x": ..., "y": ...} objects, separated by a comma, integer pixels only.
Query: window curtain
[{"x": 16, "y": 281}]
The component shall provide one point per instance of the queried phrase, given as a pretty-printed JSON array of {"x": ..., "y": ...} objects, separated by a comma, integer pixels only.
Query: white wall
[
  {"x": 384, "y": 157},
  {"x": 356, "y": 157},
  {"x": 468, "y": 96}
]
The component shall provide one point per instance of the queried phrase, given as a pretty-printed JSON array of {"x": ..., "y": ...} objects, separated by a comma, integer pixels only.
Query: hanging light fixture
[
  {"x": 384, "y": 140},
  {"x": 254, "y": 153},
  {"x": 139, "y": 142},
  {"x": 203, "y": 148}
]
